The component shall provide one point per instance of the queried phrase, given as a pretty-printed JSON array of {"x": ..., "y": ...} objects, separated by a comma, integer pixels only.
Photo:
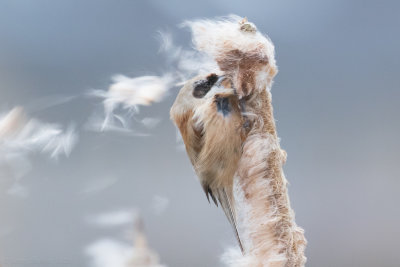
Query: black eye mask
[{"x": 202, "y": 87}]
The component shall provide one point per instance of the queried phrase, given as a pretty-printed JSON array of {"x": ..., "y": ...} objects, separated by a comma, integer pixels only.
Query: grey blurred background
[{"x": 336, "y": 102}]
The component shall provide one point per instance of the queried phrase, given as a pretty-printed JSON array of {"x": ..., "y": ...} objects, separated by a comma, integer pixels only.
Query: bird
[{"x": 208, "y": 113}]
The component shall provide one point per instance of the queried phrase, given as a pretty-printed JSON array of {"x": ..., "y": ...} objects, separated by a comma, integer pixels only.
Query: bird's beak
[
  {"x": 220, "y": 80},
  {"x": 225, "y": 82}
]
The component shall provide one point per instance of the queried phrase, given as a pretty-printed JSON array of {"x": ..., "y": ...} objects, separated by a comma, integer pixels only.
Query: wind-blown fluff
[
  {"x": 113, "y": 253},
  {"x": 21, "y": 137},
  {"x": 258, "y": 198},
  {"x": 130, "y": 93},
  {"x": 239, "y": 49}
]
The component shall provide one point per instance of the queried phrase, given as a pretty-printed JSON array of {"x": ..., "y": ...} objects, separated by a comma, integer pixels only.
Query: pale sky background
[{"x": 336, "y": 100}]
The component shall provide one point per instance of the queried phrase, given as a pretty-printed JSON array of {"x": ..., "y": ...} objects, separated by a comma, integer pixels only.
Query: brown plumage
[{"x": 208, "y": 115}]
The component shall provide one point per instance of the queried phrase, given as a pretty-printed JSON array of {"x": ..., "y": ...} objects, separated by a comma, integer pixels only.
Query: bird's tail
[{"x": 226, "y": 201}]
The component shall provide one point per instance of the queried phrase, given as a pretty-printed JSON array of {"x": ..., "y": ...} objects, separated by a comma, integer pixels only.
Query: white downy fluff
[
  {"x": 21, "y": 137},
  {"x": 129, "y": 94},
  {"x": 114, "y": 253},
  {"x": 212, "y": 37},
  {"x": 109, "y": 253},
  {"x": 185, "y": 63}
]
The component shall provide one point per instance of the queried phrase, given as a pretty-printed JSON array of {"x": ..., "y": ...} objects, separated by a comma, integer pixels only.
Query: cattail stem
[{"x": 266, "y": 220}]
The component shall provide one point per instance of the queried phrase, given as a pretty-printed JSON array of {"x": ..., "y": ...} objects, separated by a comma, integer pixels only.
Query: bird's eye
[{"x": 202, "y": 87}]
